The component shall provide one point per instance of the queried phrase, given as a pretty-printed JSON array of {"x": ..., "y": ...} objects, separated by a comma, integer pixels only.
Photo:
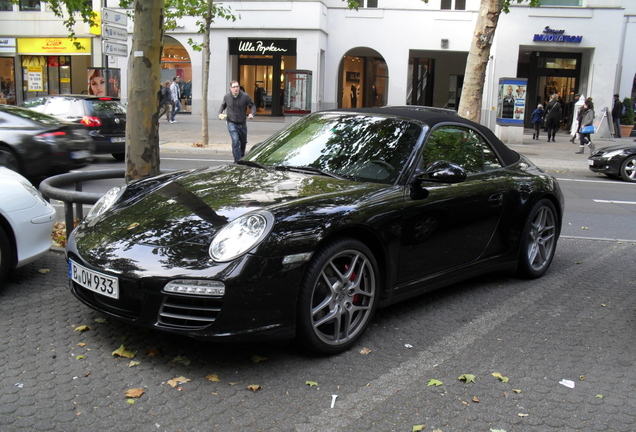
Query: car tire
[
  {"x": 5, "y": 254},
  {"x": 9, "y": 160},
  {"x": 628, "y": 169},
  {"x": 539, "y": 240},
  {"x": 338, "y": 297},
  {"x": 119, "y": 156}
]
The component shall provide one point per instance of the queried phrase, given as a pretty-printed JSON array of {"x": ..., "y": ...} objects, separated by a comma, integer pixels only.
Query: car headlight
[
  {"x": 241, "y": 235},
  {"x": 613, "y": 153},
  {"x": 105, "y": 202}
]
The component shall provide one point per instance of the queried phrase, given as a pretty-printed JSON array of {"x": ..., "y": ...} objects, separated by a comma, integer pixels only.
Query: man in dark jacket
[
  {"x": 617, "y": 113},
  {"x": 235, "y": 105},
  {"x": 166, "y": 101}
]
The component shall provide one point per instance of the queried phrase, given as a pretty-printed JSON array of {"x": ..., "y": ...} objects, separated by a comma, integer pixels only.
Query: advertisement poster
[
  {"x": 511, "y": 106},
  {"x": 34, "y": 79},
  {"x": 104, "y": 82}
]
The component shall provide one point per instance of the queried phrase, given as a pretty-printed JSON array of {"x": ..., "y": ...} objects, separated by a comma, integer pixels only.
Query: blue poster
[{"x": 511, "y": 106}]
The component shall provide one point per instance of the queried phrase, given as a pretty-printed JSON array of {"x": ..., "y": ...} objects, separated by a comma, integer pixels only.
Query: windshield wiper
[
  {"x": 250, "y": 163},
  {"x": 307, "y": 169}
]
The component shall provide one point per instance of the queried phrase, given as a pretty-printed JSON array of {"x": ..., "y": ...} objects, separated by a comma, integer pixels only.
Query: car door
[{"x": 446, "y": 226}]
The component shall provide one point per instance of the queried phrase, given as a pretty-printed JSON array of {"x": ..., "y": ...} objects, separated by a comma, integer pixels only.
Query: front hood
[
  {"x": 630, "y": 147},
  {"x": 197, "y": 203}
]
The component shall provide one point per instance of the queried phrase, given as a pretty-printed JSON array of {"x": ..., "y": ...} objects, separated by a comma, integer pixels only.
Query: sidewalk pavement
[{"x": 558, "y": 156}]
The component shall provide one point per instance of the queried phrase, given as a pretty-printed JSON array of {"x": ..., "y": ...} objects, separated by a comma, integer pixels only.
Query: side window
[
  {"x": 462, "y": 146},
  {"x": 59, "y": 107}
]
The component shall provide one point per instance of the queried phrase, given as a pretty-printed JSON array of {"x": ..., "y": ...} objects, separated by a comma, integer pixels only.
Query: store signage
[
  {"x": 34, "y": 79},
  {"x": 557, "y": 36},
  {"x": 53, "y": 46},
  {"x": 7, "y": 45},
  {"x": 262, "y": 46}
]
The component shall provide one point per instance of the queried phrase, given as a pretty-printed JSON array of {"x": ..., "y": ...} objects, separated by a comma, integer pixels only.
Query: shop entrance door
[
  {"x": 554, "y": 73},
  {"x": 260, "y": 77}
]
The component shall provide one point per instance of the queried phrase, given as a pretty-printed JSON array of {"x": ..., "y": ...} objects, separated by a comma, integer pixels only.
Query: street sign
[
  {"x": 116, "y": 49},
  {"x": 114, "y": 33},
  {"x": 114, "y": 17}
]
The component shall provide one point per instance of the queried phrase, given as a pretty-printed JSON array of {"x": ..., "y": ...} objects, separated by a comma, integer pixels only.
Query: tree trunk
[
  {"x": 144, "y": 84},
  {"x": 206, "y": 76},
  {"x": 478, "y": 56}
]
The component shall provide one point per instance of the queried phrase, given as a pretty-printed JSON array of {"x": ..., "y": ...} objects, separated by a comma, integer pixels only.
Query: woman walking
[
  {"x": 553, "y": 116},
  {"x": 586, "y": 118}
]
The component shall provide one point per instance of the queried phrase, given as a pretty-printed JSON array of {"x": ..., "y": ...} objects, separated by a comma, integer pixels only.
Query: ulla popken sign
[{"x": 262, "y": 46}]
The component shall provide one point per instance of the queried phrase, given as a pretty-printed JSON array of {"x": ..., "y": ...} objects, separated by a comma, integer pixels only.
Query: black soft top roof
[{"x": 434, "y": 117}]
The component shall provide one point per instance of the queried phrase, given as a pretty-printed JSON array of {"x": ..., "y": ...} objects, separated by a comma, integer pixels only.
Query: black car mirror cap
[{"x": 442, "y": 172}]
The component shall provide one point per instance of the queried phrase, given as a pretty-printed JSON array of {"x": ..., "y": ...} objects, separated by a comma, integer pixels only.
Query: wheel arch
[
  {"x": 8, "y": 230},
  {"x": 18, "y": 157},
  {"x": 369, "y": 237}
]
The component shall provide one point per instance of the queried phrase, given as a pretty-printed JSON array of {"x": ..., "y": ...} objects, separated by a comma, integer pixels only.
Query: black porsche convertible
[{"x": 338, "y": 214}]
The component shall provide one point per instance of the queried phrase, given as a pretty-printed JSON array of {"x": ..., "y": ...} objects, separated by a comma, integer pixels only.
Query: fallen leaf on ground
[
  {"x": 178, "y": 380},
  {"x": 134, "y": 393},
  {"x": 254, "y": 387},
  {"x": 152, "y": 352},
  {"x": 134, "y": 363},
  {"x": 82, "y": 328},
  {"x": 181, "y": 360},
  {"x": 311, "y": 383},
  {"x": 468, "y": 378},
  {"x": 123, "y": 352},
  {"x": 365, "y": 351},
  {"x": 258, "y": 359},
  {"x": 214, "y": 378},
  {"x": 434, "y": 382}
]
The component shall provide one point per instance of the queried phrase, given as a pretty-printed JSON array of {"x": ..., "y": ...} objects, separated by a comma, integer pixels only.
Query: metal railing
[{"x": 53, "y": 188}]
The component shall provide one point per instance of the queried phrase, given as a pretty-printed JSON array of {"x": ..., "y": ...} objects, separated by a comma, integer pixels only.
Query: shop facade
[{"x": 391, "y": 53}]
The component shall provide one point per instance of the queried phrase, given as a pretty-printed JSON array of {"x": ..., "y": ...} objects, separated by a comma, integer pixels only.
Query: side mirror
[{"x": 442, "y": 172}]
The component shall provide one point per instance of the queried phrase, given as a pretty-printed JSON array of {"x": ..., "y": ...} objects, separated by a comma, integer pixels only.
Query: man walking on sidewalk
[
  {"x": 235, "y": 104},
  {"x": 176, "y": 98}
]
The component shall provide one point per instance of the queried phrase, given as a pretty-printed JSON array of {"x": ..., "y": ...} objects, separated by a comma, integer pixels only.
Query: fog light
[{"x": 195, "y": 287}]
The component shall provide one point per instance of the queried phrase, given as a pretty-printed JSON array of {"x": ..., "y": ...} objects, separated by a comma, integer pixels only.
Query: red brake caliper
[{"x": 352, "y": 278}]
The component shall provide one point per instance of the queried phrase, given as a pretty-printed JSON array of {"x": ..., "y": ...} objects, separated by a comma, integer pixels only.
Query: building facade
[{"x": 388, "y": 52}]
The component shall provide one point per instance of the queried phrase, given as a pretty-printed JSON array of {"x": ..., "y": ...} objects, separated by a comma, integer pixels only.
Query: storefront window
[
  {"x": 454, "y": 4},
  {"x": 30, "y": 5},
  {"x": 5, "y": 5},
  {"x": 175, "y": 61},
  {"x": 7, "y": 81},
  {"x": 558, "y": 63},
  {"x": 560, "y": 2},
  {"x": 46, "y": 75}
]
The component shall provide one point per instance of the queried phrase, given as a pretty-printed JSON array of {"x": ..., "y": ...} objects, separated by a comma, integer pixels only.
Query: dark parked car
[
  {"x": 36, "y": 144},
  {"x": 104, "y": 117},
  {"x": 615, "y": 161},
  {"x": 340, "y": 213}
]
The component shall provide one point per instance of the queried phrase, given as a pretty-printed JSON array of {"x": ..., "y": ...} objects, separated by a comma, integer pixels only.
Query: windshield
[{"x": 360, "y": 147}]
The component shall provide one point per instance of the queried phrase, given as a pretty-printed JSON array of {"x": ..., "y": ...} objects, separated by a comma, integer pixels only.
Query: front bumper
[{"x": 259, "y": 301}]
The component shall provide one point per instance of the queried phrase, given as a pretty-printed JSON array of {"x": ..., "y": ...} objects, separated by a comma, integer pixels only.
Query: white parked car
[{"x": 26, "y": 222}]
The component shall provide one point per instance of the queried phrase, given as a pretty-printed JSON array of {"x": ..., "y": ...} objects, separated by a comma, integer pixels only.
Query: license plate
[
  {"x": 82, "y": 154},
  {"x": 97, "y": 282},
  {"x": 118, "y": 139},
  {"x": 590, "y": 162}
]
